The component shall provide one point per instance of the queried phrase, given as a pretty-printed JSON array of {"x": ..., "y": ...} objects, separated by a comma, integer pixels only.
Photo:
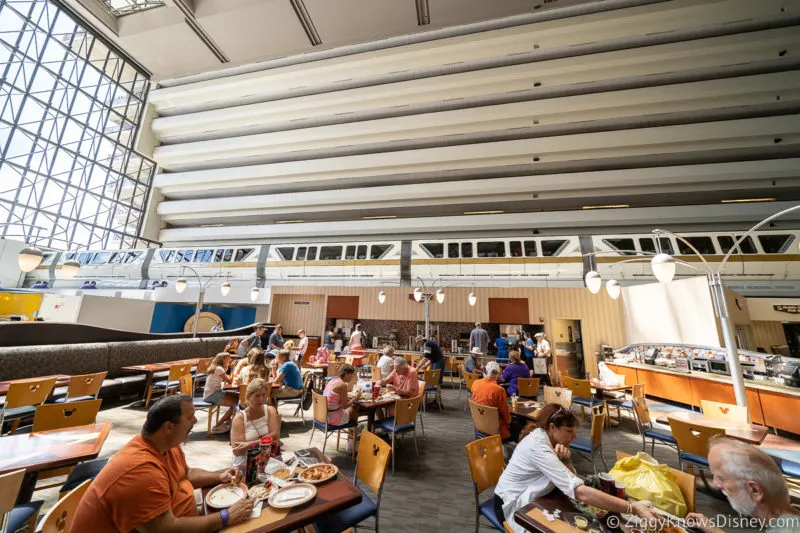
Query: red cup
[
  {"x": 607, "y": 484},
  {"x": 620, "y": 488}
]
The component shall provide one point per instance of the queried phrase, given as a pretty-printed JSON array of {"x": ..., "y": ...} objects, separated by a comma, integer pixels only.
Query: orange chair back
[
  {"x": 558, "y": 395},
  {"x": 528, "y": 387},
  {"x": 485, "y": 419},
  {"x": 405, "y": 411},
  {"x": 29, "y": 392},
  {"x": 485, "y": 458},
  {"x": 243, "y": 395},
  {"x": 638, "y": 390},
  {"x": 470, "y": 379},
  {"x": 724, "y": 411},
  {"x": 10, "y": 483},
  {"x": 333, "y": 369},
  {"x": 432, "y": 378},
  {"x": 580, "y": 387},
  {"x": 642, "y": 412},
  {"x": 59, "y": 518},
  {"x": 320, "y": 407},
  {"x": 598, "y": 422},
  {"x": 177, "y": 371},
  {"x": 202, "y": 365},
  {"x": 376, "y": 373},
  {"x": 373, "y": 458},
  {"x": 85, "y": 385},
  {"x": 691, "y": 437},
  {"x": 186, "y": 385},
  {"x": 65, "y": 415}
]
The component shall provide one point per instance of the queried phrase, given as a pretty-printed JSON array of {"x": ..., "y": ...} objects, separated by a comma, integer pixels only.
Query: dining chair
[
  {"x": 686, "y": 483},
  {"x": 469, "y": 379},
  {"x": 297, "y": 399},
  {"x": 51, "y": 416},
  {"x": 333, "y": 370},
  {"x": 528, "y": 388},
  {"x": 590, "y": 446},
  {"x": 82, "y": 472},
  {"x": 22, "y": 399},
  {"x": 724, "y": 411},
  {"x": 582, "y": 394},
  {"x": 432, "y": 385},
  {"x": 558, "y": 395},
  {"x": 201, "y": 371},
  {"x": 14, "y": 517},
  {"x": 172, "y": 382},
  {"x": 376, "y": 374},
  {"x": 421, "y": 385},
  {"x": 59, "y": 518},
  {"x": 486, "y": 463},
  {"x": 187, "y": 389},
  {"x": 403, "y": 421},
  {"x": 485, "y": 419},
  {"x": 83, "y": 387},
  {"x": 373, "y": 458},
  {"x": 372, "y": 358},
  {"x": 243, "y": 395},
  {"x": 320, "y": 406},
  {"x": 646, "y": 429},
  {"x": 620, "y": 404},
  {"x": 692, "y": 441},
  {"x": 507, "y": 528}
]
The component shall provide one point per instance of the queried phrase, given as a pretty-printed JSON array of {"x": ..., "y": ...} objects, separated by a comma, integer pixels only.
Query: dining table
[
  {"x": 61, "y": 380},
  {"x": 743, "y": 431},
  {"x": 151, "y": 368},
  {"x": 45, "y": 450},
  {"x": 371, "y": 406},
  {"x": 332, "y": 496},
  {"x": 532, "y": 518},
  {"x": 319, "y": 373},
  {"x": 527, "y": 410}
]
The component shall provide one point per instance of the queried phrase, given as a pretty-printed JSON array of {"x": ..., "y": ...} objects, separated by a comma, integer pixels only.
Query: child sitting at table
[
  {"x": 322, "y": 357},
  {"x": 213, "y": 393}
]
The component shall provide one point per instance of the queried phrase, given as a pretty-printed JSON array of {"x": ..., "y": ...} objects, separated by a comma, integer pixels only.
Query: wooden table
[
  {"x": 332, "y": 497},
  {"x": 531, "y": 516},
  {"x": 528, "y": 412},
  {"x": 61, "y": 380},
  {"x": 49, "y": 449},
  {"x": 781, "y": 447},
  {"x": 151, "y": 368},
  {"x": 370, "y": 407},
  {"x": 320, "y": 372},
  {"x": 750, "y": 433}
]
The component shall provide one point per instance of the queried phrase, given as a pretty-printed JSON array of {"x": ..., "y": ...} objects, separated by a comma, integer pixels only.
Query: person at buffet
[
  {"x": 276, "y": 339},
  {"x": 253, "y": 341},
  {"x": 213, "y": 393},
  {"x": 338, "y": 344},
  {"x": 288, "y": 382},
  {"x": 515, "y": 370},
  {"x": 357, "y": 339},
  {"x": 386, "y": 361},
  {"x": 327, "y": 340},
  {"x": 257, "y": 421},
  {"x": 432, "y": 356},
  {"x": 148, "y": 487},
  {"x": 542, "y": 462},
  {"x": 501, "y": 343},
  {"x": 486, "y": 391},
  {"x": 479, "y": 338},
  {"x": 340, "y": 407},
  {"x": 753, "y": 484},
  {"x": 528, "y": 350}
]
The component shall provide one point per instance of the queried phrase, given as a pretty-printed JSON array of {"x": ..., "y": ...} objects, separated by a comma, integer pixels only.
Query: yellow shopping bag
[{"x": 645, "y": 480}]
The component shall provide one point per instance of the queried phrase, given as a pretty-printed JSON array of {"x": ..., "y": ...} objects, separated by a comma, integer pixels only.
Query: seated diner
[
  {"x": 486, "y": 391},
  {"x": 257, "y": 421},
  {"x": 515, "y": 370},
  {"x": 386, "y": 362},
  {"x": 340, "y": 406},
  {"x": 288, "y": 382},
  {"x": 213, "y": 393}
]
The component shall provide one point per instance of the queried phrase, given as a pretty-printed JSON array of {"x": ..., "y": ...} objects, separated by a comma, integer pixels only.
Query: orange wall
[{"x": 15, "y": 303}]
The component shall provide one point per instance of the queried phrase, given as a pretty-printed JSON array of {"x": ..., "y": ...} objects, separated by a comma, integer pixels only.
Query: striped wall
[{"x": 766, "y": 334}]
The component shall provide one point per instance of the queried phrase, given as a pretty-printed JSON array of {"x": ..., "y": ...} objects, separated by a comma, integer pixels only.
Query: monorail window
[
  {"x": 551, "y": 248},
  {"x": 362, "y": 252},
  {"x": 71, "y": 255},
  {"x": 100, "y": 258},
  {"x": 492, "y": 249},
  {"x": 243, "y": 253},
  {"x": 775, "y": 244},
  {"x": 452, "y": 250},
  {"x": 747, "y": 246},
  {"x": 312, "y": 253},
  {"x": 178, "y": 256},
  {"x": 187, "y": 256},
  {"x": 301, "y": 254},
  {"x": 620, "y": 244},
  {"x": 515, "y": 248},
  {"x": 379, "y": 250},
  {"x": 203, "y": 256},
  {"x": 218, "y": 255},
  {"x": 466, "y": 249},
  {"x": 434, "y": 249},
  {"x": 704, "y": 245},
  {"x": 530, "y": 248},
  {"x": 285, "y": 253},
  {"x": 350, "y": 253},
  {"x": 84, "y": 258},
  {"x": 166, "y": 256},
  {"x": 132, "y": 256},
  {"x": 330, "y": 253}
]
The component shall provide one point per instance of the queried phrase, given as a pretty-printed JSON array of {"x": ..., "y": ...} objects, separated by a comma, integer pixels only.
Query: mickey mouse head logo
[
  {"x": 61, "y": 522},
  {"x": 724, "y": 410},
  {"x": 34, "y": 388},
  {"x": 375, "y": 449},
  {"x": 558, "y": 394},
  {"x": 480, "y": 411},
  {"x": 484, "y": 452}
]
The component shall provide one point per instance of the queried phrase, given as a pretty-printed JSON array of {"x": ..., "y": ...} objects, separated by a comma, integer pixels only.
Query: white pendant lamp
[
  {"x": 613, "y": 288},
  {"x": 70, "y": 269},
  {"x": 593, "y": 281},
  {"x": 254, "y": 294},
  {"x": 418, "y": 294},
  {"x": 663, "y": 266},
  {"x": 472, "y": 299},
  {"x": 381, "y": 297},
  {"x": 225, "y": 288},
  {"x": 29, "y": 258},
  {"x": 180, "y": 285},
  {"x": 440, "y": 296}
]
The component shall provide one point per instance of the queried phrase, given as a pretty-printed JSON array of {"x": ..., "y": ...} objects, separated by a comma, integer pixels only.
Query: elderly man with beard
[
  {"x": 148, "y": 487},
  {"x": 753, "y": 484}
]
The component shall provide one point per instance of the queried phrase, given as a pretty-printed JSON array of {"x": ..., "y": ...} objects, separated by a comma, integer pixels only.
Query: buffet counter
[{"x": 770, "y": 404}]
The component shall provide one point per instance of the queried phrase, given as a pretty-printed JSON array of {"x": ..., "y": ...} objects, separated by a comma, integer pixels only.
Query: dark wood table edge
[
  {"x": 740, "y": 433},
  {"x": 61, "y": 380}
]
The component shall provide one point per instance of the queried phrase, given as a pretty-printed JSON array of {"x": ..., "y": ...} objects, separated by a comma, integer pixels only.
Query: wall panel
[
  {"x": 766, "y": 334},
  {"x": 311, "y": 318}
]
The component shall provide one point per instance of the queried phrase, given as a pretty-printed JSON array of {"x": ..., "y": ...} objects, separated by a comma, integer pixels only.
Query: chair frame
[
  {"x": 59, "y": 517},
  {"x": 695, "y": 440},
  {"x": 29, "y": 393},
  {"x": 85, "y": 385},
  {"x": 483, "y": 418},
  {"x": 176, "y": 372},
  {"x": 724, "y": 411},
  {"x": 643, "y": 422},
  {"x": 369, "y": 445},
  {"x": 299, "y": 400},
  {"x": 10, "y": 483},
  {"x": 201, "y": 372},
  {"x": 320, "y": 409},
  {"x": 483, "y": 446},
  {"x": 60, "y": 415},
  {"x": 469, "y": 379},
  {"x": 563, "y": 396},
  {"x": 529, "y": 384},
  {"x": 409, "y": 407},
  {"x": 431, "y": 378},
  {"x": 637, "y": 392},
  {"x": 581, "y": 389},
  {"x": 596, "y": 440}
]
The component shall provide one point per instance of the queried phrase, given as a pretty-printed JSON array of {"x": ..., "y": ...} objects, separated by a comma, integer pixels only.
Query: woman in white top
[
  {"x": 541, "y": 462},
  {"x": 356, "y": 339},
  {"x": 386, "y": 362},
  {"x": 213, "y": 393},
  {"x": 302, "y": 346},
  {"x": 254, "y": 423}
]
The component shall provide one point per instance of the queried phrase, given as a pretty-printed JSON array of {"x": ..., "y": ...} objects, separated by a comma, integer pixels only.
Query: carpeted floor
[{"x": 429, "y": 493}]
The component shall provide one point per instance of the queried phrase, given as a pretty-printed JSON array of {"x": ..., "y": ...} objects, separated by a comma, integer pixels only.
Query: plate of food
[
  {"x": 292, "y": 495},
  {"x": 259, "y": 492},
  {"x": 318, "y": 473},
  {"x": 223, "y": 496}
]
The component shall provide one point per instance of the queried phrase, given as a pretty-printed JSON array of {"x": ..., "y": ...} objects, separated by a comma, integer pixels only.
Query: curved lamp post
[{"x": 225, "y": 289}]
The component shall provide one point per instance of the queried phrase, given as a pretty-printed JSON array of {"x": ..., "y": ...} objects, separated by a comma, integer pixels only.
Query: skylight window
[{"x": 120, "y": 8}]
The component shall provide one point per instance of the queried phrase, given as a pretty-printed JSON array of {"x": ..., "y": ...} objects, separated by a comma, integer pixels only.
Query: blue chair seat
[
  {"x": 479, "y": 435},
  {"x": 790, "y": 468},
  {"x": 349, "y": 517},
  {"x": 201, "y": 403},
  {"x": 331, "y": 427},
  {"x": 21, "y": 515},
  {"x": 430, "y": 389},
  {"x": 587, "y": 402},
  {"x": 583, "y": 444},
  {"x": 660, "y": 434},
  {"x": 82, "y": 472},
  {"x": 200, "y": 376},
  {"x": 387, "y": 424},
  {"x": 692, "y": 458},
  {"x": 20, "y": 412},
  {"x": 76, "y": 399},
  {"x": 625, "y": 404},
  {"x": 165, "y": 383},
  {"x": 487, "y": 510}
]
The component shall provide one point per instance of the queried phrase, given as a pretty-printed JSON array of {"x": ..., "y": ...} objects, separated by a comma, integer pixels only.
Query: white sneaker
[{"x": 223, "y": 427}]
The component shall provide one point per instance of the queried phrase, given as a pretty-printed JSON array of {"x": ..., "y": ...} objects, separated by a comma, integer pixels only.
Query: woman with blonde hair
[
  {"x": 213, "y": 393},
  {"x": 257, "y": 369},
  {"x": 257, "y": 421}
]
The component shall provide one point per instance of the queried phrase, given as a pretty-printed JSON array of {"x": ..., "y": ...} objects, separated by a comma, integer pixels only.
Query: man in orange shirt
[
  {"x": 147, "y": 486},
  {"x": 487, "y": 392}
]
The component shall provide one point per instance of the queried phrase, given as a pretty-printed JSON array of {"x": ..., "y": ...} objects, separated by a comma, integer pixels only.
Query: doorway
[{"x": 566, "y": 339}]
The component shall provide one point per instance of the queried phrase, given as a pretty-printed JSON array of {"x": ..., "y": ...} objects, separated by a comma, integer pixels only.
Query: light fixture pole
[
  {"x": 424, "y": 295},
  {"x": 180, "y": 286}
]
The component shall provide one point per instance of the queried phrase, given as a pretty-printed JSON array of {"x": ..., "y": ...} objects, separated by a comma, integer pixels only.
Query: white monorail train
[{"x": 767, "y": 264}]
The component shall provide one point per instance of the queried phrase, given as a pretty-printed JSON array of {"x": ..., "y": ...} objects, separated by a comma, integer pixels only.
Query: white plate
[
  {"x": 302, "y": 478},
  {"x": 292, "y": 495},
  {"x": 223, "y": 496}
]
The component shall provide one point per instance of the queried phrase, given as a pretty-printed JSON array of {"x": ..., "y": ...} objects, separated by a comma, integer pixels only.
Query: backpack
[{"x": 308, "y": 397}]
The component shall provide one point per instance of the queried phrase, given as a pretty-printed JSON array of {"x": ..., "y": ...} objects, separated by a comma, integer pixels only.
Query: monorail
[{"x": 767, "y": 264}]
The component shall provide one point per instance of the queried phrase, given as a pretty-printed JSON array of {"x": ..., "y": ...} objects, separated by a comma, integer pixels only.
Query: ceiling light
[
  {"x": 440, "y": 296},
  {"x": 288, "y": 221},
  {"x": 29, "y": 258},
  {"x": 483, "y": 212},
  {"x": 254, "y": 294},
  {"x": 225, "y": 288},
  {"x": 663, "y": 266},
  {"x": 610, "y": 206},
  {"x": 747, "y": 200},
  {"x": 472, "y": 299},
  {"x": 180, "y": 285},
  {"x": 613, "y": 288},
  {"x": 593, "y": 281},
  {"x": 381, "y": 297},
  {"x": 70, "y": 269},
  {"x": 378, "y": 217},
  {"x": 417, "y": 294}
]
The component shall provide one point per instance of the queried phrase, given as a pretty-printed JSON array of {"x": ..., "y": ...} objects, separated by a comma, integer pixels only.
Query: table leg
[
  {"x": 371, "y": 420},
  {"x": 28, "y": 485},
  {"x": 148, "y": 381}
]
